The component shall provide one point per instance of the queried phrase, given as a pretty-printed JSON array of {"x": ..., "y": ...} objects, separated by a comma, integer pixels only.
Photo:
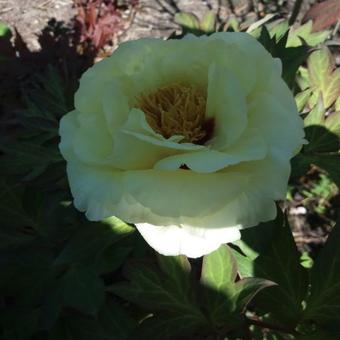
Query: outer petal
[
  {"x": 67, "y": 127},
  {"x": 128, "y": 59},
  {"x": 282, "y": 128},
  {"x": 193, "y": 242}
]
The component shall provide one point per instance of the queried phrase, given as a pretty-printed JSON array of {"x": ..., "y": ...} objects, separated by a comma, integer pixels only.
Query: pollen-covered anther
[{"x": 177, "y": 110}]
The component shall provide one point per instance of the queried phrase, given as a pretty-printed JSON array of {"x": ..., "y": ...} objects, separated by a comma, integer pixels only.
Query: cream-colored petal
[
  {"x": 96, "y": 190},
  {"x": 226, "y": 104},
  {"x": 67, "y": 127},
  {"x": 92, "y": 142},
  {"x": 251, "y": 147},
  {"x": 128, "y": 59},
  {"x": 282, "y": 128},
  {"x": 115, "y": 103},
  {"x": 138, "y": 127},
  {"x": 175, "y": 240}
]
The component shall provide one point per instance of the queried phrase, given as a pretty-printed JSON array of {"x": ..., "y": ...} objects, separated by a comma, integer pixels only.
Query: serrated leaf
[
  {"x": 323, "y": 78},
  {"x": 278, "y": 261},
  {"x": 82, "y": 289},
  {"x": 218, "y": 268},
  {"x": 208, "y": 22},
  {"x": 304, "y": 33},
  {"x": 247, "y": 288},
  {"x": 323, "y": 304},
  {"x": 321, "y": 140},
  {"x": 148, "y": 287},
  {"x": 112, "y": 258},
  {"x": 278, "y": 29},
  {"x": 225, "y": 298},
  {"x": 12, "y": 210},
  {"x": 291, "y": 57},
  {"x": 91, "y": 240}
]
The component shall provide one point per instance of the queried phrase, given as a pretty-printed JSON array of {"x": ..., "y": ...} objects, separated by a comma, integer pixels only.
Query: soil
[{"x": 149, "y": 18}]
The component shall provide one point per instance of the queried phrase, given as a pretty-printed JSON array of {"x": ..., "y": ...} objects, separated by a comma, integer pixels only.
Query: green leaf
[
  {"x": 111, "y": 323},
  {"x": 332, "y": 122},
  {"x": 167, "y": 327},
  {"x": 208, "y": 22},
  {"x": 323, "y": 304},
  {"x": 81, "y": 289},
  {"x": 187, "y": 20},
  {"x": 150, "y": 288},
  {"x": 291, "y": 57},
  {"x": 323, "y": 78},
  {"x": 27, "y": 158},
  {"x": 115, "y": 321},
  {"x": 302, "y": 98},
  {"x": 304, "y": 33},
  {"x": 91, "y": 240},
  {"x": 12, "y": 211},
  {"x": 4, "y": 30},
  {"x": 112, "y": 258},
  {"x": 219, "y": 269},
  {"x": 271, "y": 254},
  {"x": 225, "y": 298}
]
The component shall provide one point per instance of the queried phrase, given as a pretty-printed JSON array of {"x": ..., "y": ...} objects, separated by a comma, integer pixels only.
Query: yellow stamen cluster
[{"x": 176, "y": 110}]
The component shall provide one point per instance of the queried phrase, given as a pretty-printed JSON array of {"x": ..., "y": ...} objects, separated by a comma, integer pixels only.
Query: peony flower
[{"x": 189, "y": 139}]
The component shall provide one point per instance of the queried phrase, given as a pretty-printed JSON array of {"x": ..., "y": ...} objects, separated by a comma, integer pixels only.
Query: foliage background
[{"x": 63, "y": 277}]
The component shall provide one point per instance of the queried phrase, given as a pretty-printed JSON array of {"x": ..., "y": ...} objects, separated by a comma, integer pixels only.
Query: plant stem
[
  {"x": 267, "y": 325},
  {"x": 295, "y": 12}
]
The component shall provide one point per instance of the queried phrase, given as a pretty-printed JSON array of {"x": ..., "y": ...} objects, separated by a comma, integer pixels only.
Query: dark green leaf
[
  {"x": 280, "y": 263},
  {"x": 323, "y": 304},
  {"x": 148, "y": 287},
  {"x": 170, "y": 327},
  {"x": 92, "y": 239},
  {"x": 291, "y": 57},
  {"x": 225, "y": 299},
  {"x": 81, "y": 289}
]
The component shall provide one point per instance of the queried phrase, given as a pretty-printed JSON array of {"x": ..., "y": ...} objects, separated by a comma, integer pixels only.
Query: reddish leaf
[{"x": 323, "y": 14}]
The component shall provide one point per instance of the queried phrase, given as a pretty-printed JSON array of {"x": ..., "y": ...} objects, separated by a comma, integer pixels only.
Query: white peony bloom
[{"x": 189, "y": 139}]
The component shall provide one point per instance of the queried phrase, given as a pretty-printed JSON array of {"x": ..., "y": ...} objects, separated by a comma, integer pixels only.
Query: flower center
[{"x": 177, "y": 110}]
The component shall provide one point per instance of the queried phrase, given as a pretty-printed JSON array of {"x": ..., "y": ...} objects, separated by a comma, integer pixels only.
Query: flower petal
[
  {"x": 226, "y": 104},
  {"x": 282, "y": 128},
  {"x": 193, "y": 242},
  {"x": 252, "y": 147}
]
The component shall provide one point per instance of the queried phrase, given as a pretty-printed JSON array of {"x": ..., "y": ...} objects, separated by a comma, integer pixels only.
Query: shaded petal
[
  {"x": 92, "y": 142},
  {"x": 192, "y": 242},
  {"x": 96, "y": 190},
  {"x": 128, "y": 59},
  {"x": 67, "y": 127}
]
